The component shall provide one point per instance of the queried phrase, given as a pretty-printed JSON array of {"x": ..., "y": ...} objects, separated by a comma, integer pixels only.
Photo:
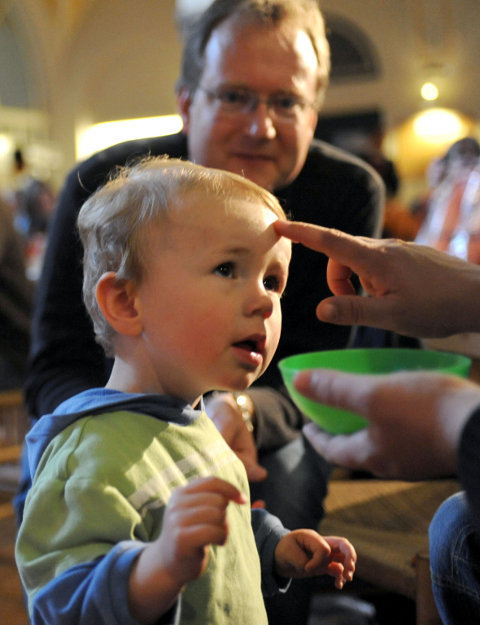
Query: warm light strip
[
  {"x": 101, "y": 136},
  {"x": 5, "y": 145},
  {"x": 438, "y": 125}
]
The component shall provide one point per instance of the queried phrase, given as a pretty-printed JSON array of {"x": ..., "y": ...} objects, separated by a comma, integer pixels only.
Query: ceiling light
[{"x": 429, "y": 91}]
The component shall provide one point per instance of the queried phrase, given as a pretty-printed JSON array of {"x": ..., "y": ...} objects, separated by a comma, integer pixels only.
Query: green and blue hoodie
[{"x": 104, "y": 466}]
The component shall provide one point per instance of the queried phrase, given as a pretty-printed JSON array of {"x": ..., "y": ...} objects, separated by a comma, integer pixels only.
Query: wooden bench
[
  {"x": 387, "y": 522},
  {"x": 13, "y": 427}
]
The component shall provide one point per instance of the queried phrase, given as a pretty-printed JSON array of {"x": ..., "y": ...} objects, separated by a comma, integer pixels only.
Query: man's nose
[{"x": 260, "y": 123}]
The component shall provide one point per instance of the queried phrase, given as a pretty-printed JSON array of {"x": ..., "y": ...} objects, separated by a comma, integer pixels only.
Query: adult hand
[
  {"x": 415, "y": 420},
  {"x": 414, "y": 290},
  {"x": 224, "y": 412}
]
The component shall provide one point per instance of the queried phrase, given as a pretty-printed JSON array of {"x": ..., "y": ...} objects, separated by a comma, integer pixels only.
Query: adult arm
[
  {"x": 413, "y": 289},
  {"x": 273, "y": 418}
]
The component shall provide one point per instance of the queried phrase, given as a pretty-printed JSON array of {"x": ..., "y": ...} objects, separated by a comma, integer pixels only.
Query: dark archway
[{"x": 353, "y": 54}]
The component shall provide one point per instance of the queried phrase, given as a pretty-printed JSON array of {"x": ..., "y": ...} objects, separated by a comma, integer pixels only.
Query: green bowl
[{"x": 374, "y": 361}]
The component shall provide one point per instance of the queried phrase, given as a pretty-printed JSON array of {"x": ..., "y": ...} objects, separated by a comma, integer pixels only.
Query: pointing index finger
[{"x": 338, "y": 245}]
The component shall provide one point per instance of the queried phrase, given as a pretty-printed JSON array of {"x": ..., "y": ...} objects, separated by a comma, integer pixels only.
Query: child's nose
[{"x": 261, "y": 302}]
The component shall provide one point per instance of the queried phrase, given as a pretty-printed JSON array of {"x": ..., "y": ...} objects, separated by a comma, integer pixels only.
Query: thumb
[
  {"x": 348, "y": 391},
  {"x": 355, "y": 310}
]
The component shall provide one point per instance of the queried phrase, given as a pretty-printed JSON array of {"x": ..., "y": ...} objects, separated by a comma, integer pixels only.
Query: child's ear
[{"x": 117, "y": 301}]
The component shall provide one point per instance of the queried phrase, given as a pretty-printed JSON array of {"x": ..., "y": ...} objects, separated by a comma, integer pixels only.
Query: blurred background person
[
  {"x": 32, "y": 203},
  {"x": 454, "y": 200},
  {"x": 16, "y": 294},
  {"x": 34, "y": 200},
  {"x": 374, "y": 155}
]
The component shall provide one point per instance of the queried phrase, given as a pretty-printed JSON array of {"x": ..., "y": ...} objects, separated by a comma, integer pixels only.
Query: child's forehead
[
  {"x": 208, "y": 224},
  {"x": 223, "y": 211}
]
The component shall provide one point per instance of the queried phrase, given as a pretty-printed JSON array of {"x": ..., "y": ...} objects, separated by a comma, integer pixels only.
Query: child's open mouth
[{"x": 251, "y": 350}]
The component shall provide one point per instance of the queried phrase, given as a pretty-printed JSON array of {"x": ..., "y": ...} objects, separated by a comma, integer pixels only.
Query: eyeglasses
[{"x": 284, "y": 106}]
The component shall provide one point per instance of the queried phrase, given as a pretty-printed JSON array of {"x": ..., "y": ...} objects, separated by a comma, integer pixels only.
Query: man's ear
[
  {"x": 183, "y": 105},
  {"x": 118, "y": 303},
  {"x": 313, "y": 122}
]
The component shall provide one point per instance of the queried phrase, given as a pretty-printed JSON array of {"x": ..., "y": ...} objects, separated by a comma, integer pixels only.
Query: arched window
[{"x": 353, "y": 54}]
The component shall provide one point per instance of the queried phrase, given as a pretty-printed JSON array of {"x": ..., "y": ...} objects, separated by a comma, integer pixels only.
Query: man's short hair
[
  {"x": 305, "y": 14},
  {"x": 112, "y": 221}
]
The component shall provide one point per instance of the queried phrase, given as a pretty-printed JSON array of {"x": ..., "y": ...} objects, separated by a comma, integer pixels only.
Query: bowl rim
[{"x": 457, "y": 359}]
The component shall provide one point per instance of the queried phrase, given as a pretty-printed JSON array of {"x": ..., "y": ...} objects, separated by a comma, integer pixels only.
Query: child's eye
[
  {"x": 225, "y": 269},
  {"x": 272, "y": 283}
]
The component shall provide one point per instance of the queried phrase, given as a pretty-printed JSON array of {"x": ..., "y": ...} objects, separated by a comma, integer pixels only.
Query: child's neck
[{"x": 125, "y": 378}]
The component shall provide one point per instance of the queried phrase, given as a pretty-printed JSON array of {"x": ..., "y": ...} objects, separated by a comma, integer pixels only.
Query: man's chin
[{"x": 263, "y": 174}]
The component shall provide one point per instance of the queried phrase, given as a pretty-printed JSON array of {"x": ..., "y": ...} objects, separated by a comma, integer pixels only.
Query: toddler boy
[{"x": 139, "y": 510}]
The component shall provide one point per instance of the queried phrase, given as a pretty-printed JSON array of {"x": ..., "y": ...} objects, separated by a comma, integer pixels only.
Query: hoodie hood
[{"x": 100, "y": 401}]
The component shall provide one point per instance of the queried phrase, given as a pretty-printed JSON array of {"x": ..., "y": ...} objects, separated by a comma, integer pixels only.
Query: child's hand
[
  {"x": 195, "y": 518},
  {"x": 304, "y": 553}
]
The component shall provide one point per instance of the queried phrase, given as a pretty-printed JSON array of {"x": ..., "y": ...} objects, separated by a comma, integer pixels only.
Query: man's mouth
[{"x": 253, "y": 156}]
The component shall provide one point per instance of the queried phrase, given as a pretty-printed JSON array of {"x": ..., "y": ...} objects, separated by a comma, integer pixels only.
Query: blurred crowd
[
  {"x": 31, "y": 202},
  {"x": 451, "y": 207},
  {"x": 25, "y": 210}
]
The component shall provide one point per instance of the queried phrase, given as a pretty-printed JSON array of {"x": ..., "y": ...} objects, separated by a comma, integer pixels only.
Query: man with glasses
[{"x": 253, "y": 78}]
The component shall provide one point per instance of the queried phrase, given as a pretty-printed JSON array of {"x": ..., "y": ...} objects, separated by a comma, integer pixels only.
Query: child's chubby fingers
[
  {"x": 315, "y": 547},
  {"x": 199, "y": 509},
  {"x": 203, "y": 534},
  {"x": 336, "y": 570},
  {"x": 195, "y": 518},
  {"x": 302, "y": 553},
  {"x": 342, "y": 550},
  {"x": 343, "y": 553},
  {"x": 218, "y": 490},
  {"x": 339, "y": 563}
]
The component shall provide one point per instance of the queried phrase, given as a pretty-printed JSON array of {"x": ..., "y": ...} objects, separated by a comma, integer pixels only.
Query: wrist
[{"x": 152, "y": 590}]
